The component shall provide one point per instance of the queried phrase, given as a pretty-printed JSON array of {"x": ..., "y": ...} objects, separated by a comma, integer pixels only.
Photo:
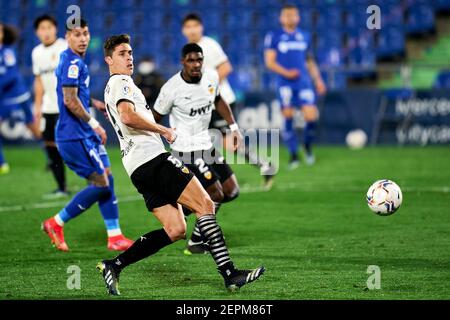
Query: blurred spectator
[{"x": 149, "y": 80}]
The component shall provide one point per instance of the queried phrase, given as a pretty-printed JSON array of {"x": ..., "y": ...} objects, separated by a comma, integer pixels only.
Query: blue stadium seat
[
  {"x": 391, "y": 42},
  {"x": 420, "y": 19},
  {"x": 442, "y": 80},
  {"x": 442, "y": 5},
  {"x": 331, "y": 16}
]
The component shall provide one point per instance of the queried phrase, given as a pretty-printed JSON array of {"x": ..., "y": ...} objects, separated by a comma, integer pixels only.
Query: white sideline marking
[{"x": 246, "y": 188}]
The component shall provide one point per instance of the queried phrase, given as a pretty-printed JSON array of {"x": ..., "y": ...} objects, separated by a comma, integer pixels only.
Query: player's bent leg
[
  {"x": 195, "y": 197},
  {"x": 172, "y": 220},
  {"x": 147, "y": 245},
  {"x": 196, "y": 244},
  {"x": 311, "y": 115},
  {"x": 230, "y": 189},
  {"x": 211, "y": 231},
  {"x": 215, "y": 192},
  {"x": 110, "y": 213}
]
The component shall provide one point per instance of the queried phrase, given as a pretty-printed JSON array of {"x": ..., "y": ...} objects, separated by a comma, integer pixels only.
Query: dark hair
[
  {"x": 83, "y": 23},
  {"x": 44, "y": 17},
  {"x": 192, "y": 16},
  {"x": 190, "y": 47},
  {"x": 112, "y": 42},
  {"x": 10, "y": 34},
  {"x": 289, "y": 6}
]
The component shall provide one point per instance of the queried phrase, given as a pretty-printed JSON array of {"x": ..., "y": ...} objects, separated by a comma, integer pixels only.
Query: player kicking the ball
[
  {"x": 162, "y": 179},
  {"x": 190, "y": 97}
]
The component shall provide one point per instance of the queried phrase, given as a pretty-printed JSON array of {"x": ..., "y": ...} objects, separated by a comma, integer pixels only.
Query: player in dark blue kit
[
  {"x": 80, "y": 140},
  {"x": 13, "y": 93},
  {"x": 288, "y": 53}
]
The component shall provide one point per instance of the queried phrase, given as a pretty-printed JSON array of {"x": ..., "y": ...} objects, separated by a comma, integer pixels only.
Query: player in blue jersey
[
  {"x": 80, "y": 140},
  {"x": 288, "y": 53},
  {"x": 13, "y": 94}
]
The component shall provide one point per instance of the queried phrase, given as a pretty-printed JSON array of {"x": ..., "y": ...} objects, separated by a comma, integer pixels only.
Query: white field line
[{"x": 246, "y": 188}]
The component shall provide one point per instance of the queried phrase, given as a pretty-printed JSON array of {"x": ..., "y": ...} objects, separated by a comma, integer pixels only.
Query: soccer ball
[
  {"x": 384, "y": 197},
  {"x": 356, "y": 139}
]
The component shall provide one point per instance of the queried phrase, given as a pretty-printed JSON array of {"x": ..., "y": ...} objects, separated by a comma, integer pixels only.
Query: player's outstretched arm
[
  {"x": 75, "y": 106},
  {"x": 130, "y": 118}
]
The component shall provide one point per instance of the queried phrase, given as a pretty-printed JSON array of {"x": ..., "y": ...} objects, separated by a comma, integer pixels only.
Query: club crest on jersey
[
  {"x": 211, "y": 89},
  {"x": 9, "y": 58},
  {"x": 208, "y": 175},
  {"x": 185, "y": 170},
  {"x": 73, "y": 72}
]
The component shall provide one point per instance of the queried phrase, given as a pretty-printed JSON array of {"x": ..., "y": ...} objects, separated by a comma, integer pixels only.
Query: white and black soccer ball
[
  {"x": 356, "y": 139},
  {"x": 384, "y": 197}
]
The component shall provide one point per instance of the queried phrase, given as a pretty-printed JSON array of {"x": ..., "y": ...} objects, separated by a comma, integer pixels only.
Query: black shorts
[
  {"x": 208, "y": 166},
  {"x": 48, "y": 132},
  {"x": 217, "y": 122},
  {"x": 161, "y": 180}
]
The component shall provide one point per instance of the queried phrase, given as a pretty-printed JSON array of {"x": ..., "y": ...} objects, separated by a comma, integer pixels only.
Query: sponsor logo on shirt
[
  {"x": 292, "y": 45},
  {"x": 200, "y": 111}
]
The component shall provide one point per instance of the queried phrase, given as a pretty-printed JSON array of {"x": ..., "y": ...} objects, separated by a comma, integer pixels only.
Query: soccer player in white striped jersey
[
  {"x": 189, "y": 98},
  {"x": 163, "y": 180},
  {"x": 216, "y": 59}
]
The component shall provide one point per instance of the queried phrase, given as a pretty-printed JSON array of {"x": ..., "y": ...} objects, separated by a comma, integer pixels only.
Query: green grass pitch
[{"x": 312, "y": 231}]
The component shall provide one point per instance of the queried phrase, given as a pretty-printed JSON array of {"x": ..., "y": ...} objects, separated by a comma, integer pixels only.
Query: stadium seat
[
  {"x": 442, "y": 80},
  {"x": 391, "y": 42},
  {"x": 420, "y": 19}
]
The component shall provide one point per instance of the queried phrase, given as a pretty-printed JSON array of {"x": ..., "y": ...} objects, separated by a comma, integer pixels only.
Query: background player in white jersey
[
  {"x": 216, "y": 59},
  {"x": 189, "y": 98},
  {"x": 45, "y": 59},
  {"x": 163, "y": 180}
]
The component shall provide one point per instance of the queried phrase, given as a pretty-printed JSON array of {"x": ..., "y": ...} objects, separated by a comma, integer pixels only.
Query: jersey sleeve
[
  {"x": 270, "y": 41},
  {"x": 34, "y": 60},
  {"x": 164, "y": 102},
  {"x": 217, "y": 54},
  {"x": 70, "y": 73},
  {"x": 215, "y": 76},
  {"x": 121, "y": 90}
]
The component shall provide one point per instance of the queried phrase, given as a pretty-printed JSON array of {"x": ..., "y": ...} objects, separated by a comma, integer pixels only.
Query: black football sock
[
  {"x": 143, "y": 247},
  {"x": 56, "y": 165},
  {"x": 212, "y": 232},
  {"x": 196, "y": 237}
]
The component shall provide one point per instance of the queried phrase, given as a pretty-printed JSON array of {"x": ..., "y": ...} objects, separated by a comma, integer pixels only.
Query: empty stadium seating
[{"x": 341, "y": 37}]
